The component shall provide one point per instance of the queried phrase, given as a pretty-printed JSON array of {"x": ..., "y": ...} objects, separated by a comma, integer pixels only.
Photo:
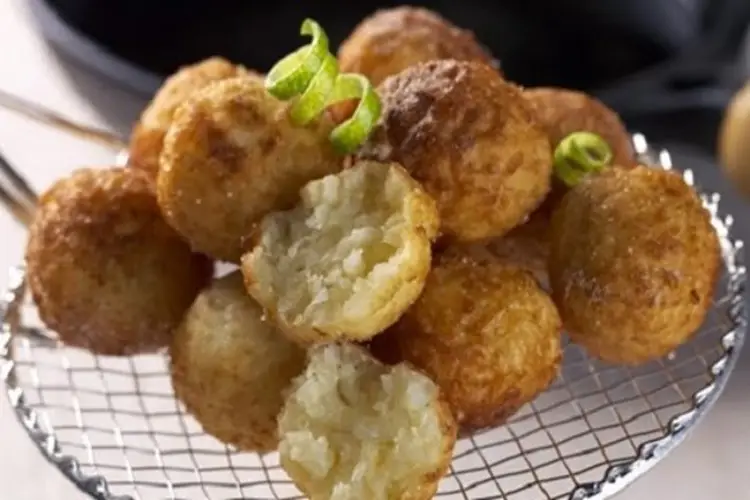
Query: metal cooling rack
[{"x": 113, "y": 427}]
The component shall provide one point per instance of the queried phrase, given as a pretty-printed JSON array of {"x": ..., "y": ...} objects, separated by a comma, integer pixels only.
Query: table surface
[{"x": 713, "y": 463}]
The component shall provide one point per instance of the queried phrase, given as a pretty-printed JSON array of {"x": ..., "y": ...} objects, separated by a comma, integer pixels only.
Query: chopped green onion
[
  {"x": 311, "y": 74},
  {"x": 580, "y": 154}
]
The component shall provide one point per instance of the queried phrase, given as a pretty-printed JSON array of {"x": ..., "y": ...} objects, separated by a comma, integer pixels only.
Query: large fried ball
[
  {"x": 562, "y": 112},
  {"x": 484, "y": 331},
  {"x": 354, "y": 429},
  {"x": 391, "y": 40},
  {"x": 633, "y": 263},
  {"x": 231, "y": 156},
  {"x": 349, "y": 258},
  {"x": 230, "y": 367},
  {"x": 106, "y": 272},
  {"x": 471, "y": 140},
  {"x": 148, "y": 134}
]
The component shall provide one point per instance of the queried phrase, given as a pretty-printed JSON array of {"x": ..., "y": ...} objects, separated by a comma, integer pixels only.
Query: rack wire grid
[{"x": 113, "y": 426}]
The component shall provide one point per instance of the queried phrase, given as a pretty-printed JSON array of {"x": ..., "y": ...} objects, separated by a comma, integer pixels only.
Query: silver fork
[
  {"x": 48, "y": 117},
  {"x": 15, "y": 193}
]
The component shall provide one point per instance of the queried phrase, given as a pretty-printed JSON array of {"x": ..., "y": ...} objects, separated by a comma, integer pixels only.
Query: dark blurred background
[{"x": 669, "y": 67}]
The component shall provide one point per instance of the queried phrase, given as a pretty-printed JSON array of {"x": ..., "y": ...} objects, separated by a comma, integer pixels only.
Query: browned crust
[
  {"x": 562, "y": 112},
  {"x": 470, "y": 138},
  {"x": 231, "y": 156},
  {"x": 391, "y": 40},
  {"x": 633, "y": 263},
  {"x": 484, "y": 332},
  {"x": 148, "y": 133},
  {"x": 105, "y": 270}
]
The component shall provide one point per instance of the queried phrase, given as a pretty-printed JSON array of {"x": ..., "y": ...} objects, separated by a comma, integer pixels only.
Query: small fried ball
[
  {"x": 484, "y": 331},
  {"x": 148, "y": 134},
  {"x": 353, "y": 429},
  {"x": 391, "y": 40},
  {"x": 562, "y": 112},
  {"x": 471, "y": 140},
  {"x": 230, "y": 367},
  {"x": 105, "y": 270},
  {"x": 633, "y": 263},
  {"x": 349, "y": 258},
  {"x": 231, "y": 156}
]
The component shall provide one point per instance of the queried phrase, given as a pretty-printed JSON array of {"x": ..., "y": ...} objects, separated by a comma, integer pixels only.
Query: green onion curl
[
  {"x": 580, "y": 154},
  {"x": 311, "y": 75}
]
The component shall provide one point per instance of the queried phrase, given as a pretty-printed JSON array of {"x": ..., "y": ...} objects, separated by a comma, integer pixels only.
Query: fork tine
[
  {"x": 20, "y": 205},
  {"x": 49, "y": 117},
  {"x": 18, "y": 182},
  {"x": 20, "y": 212}
]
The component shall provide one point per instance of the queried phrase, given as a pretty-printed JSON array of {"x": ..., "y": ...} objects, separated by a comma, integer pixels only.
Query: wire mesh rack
[{"x": 113, "y": 426}]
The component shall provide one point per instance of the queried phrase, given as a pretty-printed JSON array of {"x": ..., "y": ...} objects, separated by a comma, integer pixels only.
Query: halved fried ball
[
  {"x": 148, "y": 134},
  {"x": 353, "y": 429},
  {"x": 106, "y": 272},
  {"x": 391, "y": 40},
  {"x": 470, "y": 138},
  {"x": 484, "y": 331},
  {"x": 633, "y": 263},
  {"x": 349, "y": 258},
  {"x": 230, "y": 367},
  {"x": 231, "y": 156},
  {"x": 562, "y": 112}
]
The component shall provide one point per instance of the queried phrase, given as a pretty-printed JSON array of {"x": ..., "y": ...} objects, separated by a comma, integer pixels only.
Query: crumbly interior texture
[
  {"x": 353, "y": 428},
  {"x": 350, "y": 258}
]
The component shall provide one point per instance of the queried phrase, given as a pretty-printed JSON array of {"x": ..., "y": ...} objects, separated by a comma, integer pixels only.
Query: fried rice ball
[
  {"x": 105, "y": 270},
  {"x": 349, "y": 258},
  {"x": 353, "y": 428},
  {"x": 391, "y": 40},
  {"x": 633, "y": 263},
  {"x": 484, "y": 331},
  {"x": 230, "y": 367},
  {"x": 562, "y": 112},
  {"x": 147, "y": 137},
  {"x": 471, "y": 140},
  {"x": 232, "y": 156}
]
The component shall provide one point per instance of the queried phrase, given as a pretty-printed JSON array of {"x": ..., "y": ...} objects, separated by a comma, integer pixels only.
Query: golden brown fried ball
[
  {"x": 484, "y": 331},
  {"x": 230, "y": 367},
  {"x": 106, "y": 272},
  {"x": 471, "y": 140},
  {"x": 391, "y": 40},
  {"x": 562, "y": 112},
  {"x": 148, "y": 134},
  {"x": 354, "y": 429},
  {"x": 633, "y": 263},
  {"x": 349, "y": 259},
  {"x": 231, "y": 156}
]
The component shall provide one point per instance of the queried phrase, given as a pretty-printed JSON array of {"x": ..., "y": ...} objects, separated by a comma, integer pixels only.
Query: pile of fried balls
[{"x": 379, "y": 303}]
